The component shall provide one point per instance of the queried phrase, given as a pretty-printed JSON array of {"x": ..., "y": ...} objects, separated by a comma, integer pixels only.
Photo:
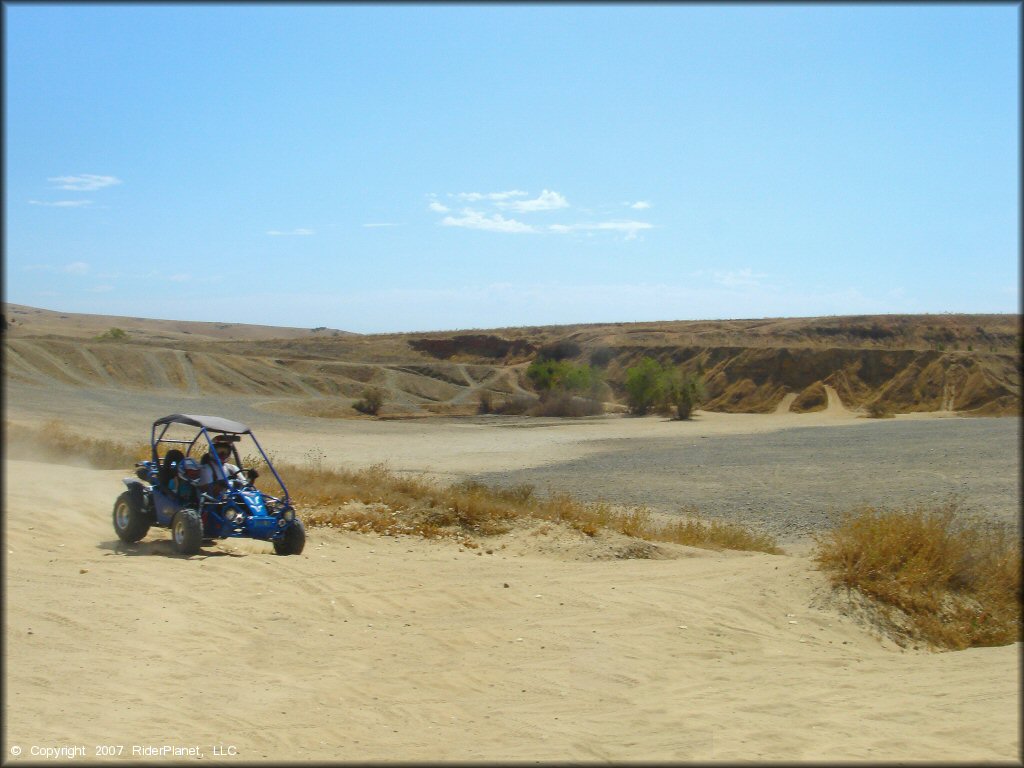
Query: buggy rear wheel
[
  {"x": 293, "y": 541},
  {"x": 187, "y": 531},
  {"x": 130, "y": 523}
]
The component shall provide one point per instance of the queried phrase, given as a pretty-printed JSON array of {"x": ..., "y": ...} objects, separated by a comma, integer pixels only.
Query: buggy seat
[{"x": 168, "y": 470}]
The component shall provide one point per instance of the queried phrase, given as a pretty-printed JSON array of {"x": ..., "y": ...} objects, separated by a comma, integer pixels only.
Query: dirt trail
[
  {"x": 188, "y": 371},
  {"x": 835, "y": 403},
  {"x": 787, "y": 400}
]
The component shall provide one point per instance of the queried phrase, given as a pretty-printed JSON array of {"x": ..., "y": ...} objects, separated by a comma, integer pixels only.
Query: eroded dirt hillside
[
  {"x": 965, "y": 363},
  {"x": 756, "y": 380}
]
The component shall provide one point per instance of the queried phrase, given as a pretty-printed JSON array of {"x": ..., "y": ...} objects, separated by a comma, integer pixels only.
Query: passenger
[
  {"x": 183, "y": 485},
  {"x": 212, "y": 480}
]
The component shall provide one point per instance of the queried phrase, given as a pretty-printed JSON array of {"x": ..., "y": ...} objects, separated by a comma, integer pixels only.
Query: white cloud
[
  {"x": 548, "y": 201},
  {"x": 471, "y": 219},
  {"x": 484, "y": 216},
  {"x": 182, "y": 277},
  {"x": 639, "y": 205},
  {"x": 62, "y": 203},
  {"x": 86, "y": 182},
  {"x": 279, "y": 233},
  {"x": 474, "y": 197},
  {"x": 76, "y": 268}
]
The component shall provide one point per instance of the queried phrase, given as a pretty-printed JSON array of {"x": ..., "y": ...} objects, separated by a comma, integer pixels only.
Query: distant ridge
[
  {"x": 22, "y": 320},
  {"x": 966, "y": 364}
]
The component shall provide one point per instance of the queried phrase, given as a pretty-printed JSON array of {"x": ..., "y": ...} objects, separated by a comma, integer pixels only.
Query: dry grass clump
[
  {"x": 394, "y": 504},
  {"x": 54, "y": 442},
  {"x": 515, "y": 405},
  {"x": 556, "y": 404},
  {"x": 953, "y": 579},
  {"x": 696, "y": 533},
  {"x": 565, "y": 404},
  {"x": 372, "y": 401}
]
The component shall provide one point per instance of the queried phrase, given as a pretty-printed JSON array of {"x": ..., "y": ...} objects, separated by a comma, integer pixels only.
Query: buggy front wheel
[
  {"x": 293, "y": 541},
  {"x": 130, "y": 523},
  {"x": 187, "y": 531}
]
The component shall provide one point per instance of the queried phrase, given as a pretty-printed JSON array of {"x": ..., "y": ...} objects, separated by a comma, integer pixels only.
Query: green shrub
[
  {"x": 548, "y": 375},
  {"x": 685, "y": 391},
  {"x": 112, "y": 334},
  {"x": 652, "y": 386},
  {"x": 645, "y": 386}
]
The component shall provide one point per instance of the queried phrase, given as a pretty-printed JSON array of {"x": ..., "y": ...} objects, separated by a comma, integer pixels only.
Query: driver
[{"x": 211, "y": 479}]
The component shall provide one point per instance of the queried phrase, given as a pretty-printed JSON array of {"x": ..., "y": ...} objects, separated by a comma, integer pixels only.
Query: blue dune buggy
[{"x": 169, "y": 490}]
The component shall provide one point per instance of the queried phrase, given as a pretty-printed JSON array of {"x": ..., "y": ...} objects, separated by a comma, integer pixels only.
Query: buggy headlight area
[
  {"x": 232, "y": 515},
  {"x": 280, "y": 508}
]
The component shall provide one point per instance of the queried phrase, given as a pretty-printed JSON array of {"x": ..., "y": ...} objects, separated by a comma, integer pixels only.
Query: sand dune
[{"x": 370, "y": 647}]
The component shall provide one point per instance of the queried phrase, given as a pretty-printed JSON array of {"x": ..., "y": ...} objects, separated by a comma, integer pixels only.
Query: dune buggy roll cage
[{"x": 206, "y": 425}]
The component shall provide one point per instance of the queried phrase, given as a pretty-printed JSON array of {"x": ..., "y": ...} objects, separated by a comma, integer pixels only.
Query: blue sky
[{"x": 384, "y": 168}]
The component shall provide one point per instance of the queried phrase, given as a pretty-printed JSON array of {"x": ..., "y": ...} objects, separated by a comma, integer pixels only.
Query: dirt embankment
[
  {"x": 738, "y": 380},
  {"x": 474, "y": 345},
  {"x": 749, "y": 380},
  {"x": 962, "y": 363}
]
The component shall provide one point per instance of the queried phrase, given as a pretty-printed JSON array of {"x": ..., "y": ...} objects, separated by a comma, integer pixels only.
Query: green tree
[
  {"x": 565, "y": 388},
  {"x": 645, "y": 385},
  {"x": 550, "y": 377},
  {"x": 685, "y": 391},
  {"x": 650, "y": 385}
]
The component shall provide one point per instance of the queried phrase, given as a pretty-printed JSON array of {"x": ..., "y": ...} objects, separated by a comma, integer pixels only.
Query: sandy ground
[
  {"x": 381, "y": 648},
  {"x": 445, "y": 448}
]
